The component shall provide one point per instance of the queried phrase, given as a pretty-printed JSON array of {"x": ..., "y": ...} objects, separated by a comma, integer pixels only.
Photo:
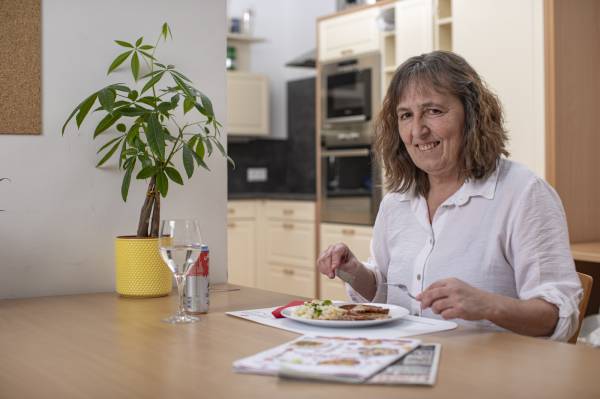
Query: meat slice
[{"x": 364, "y": 309}]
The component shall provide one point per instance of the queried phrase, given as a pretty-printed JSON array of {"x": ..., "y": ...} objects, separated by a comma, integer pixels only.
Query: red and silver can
[{"x": 196, "y": 285}]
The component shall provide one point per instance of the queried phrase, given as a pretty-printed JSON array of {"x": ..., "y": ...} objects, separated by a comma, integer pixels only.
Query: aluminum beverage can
[{"x": 196, "y": 285}]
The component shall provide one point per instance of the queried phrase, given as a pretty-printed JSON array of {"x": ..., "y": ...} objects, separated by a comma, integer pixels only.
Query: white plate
[{"x": 396, "y": 312}]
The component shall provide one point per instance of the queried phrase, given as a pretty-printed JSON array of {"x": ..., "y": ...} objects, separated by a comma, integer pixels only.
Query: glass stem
[{"x": 180, "y": 280}]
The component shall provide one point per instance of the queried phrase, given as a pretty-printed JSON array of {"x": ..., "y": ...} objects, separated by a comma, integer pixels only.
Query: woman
[{"x": 480, "y": 238}]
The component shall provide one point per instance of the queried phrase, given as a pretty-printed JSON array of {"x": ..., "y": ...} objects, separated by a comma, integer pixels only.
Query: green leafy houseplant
[{"x": 144, "y": 118}]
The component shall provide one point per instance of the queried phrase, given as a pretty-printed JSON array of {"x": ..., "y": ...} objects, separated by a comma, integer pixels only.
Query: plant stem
[
  {"x": 155, "y": 215},
  {"x": 147, "y": 209}
]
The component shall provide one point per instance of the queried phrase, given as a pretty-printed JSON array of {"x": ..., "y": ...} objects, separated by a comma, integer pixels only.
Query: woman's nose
[{"x": 419, "y": 129}]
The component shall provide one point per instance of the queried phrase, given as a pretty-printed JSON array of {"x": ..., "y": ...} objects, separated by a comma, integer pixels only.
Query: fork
[{"x": 403, "y": 288}]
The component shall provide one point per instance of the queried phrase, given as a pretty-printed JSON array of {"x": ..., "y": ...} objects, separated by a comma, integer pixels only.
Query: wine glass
[{"x": 180, "y": 244}]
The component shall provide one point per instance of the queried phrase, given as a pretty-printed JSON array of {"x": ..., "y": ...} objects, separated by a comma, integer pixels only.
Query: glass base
[{"x": 181, "y": 319}]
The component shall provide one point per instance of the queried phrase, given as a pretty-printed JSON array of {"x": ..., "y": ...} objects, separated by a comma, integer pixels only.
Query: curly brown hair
[{"x": 484, "y": 139}]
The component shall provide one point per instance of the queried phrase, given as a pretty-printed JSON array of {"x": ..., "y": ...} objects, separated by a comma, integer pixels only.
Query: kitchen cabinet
[
  {"x": 241, "y": 248},
  {"x": 348, "y": 34},
  {"x": 247, "y": 104},
  {"x": 358, "y": 239},
  {"x": 289, "y": 248},
  {"x": 271, "y": 245}
]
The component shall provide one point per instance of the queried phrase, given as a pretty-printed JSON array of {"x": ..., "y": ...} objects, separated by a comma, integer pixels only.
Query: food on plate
[{"x": 326, "y": 310}]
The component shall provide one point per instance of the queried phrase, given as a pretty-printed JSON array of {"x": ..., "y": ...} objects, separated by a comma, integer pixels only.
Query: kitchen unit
[
  {"x": 272, "y": 245},
  {"x": 247, "y": 93}
]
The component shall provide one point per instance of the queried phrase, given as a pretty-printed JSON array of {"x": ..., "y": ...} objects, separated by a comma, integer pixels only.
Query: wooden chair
[{"x": 586, "y": 283}]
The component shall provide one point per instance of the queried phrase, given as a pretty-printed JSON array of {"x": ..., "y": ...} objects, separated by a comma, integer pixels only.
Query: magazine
[
  {"x": 419, "y": 367},
  {"x": 328, "y": 358}
]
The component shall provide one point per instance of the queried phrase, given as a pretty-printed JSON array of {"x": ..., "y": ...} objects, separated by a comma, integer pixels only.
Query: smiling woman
[{"x": 482, "y": 238}]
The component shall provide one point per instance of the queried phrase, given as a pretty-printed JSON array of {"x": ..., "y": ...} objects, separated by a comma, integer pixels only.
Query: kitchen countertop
[{"x": 273, "y": 196}]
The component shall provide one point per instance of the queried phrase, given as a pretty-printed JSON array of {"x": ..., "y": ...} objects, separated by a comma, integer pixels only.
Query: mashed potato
[{"x": 320, "y": 310}]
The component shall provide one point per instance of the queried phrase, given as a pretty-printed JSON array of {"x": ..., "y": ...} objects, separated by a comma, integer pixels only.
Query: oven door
[
  {"x": 350, "y": 191},
  {"x": 348, "y": 96}
]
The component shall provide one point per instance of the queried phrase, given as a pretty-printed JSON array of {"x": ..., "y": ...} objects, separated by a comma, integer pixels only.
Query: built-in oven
[
  {"x": 351, "y": 185},
  {"x": 350, "y": 90},
  {"x": 350, "y": 176}
]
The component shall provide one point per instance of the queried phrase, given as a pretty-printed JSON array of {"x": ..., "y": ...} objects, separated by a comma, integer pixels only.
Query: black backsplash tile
[{"x": 290, "y": 163}]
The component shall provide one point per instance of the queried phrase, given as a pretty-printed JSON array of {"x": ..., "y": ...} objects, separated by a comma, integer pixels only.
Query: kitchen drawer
[
  {"x": 241, "y": 209},
  {"x": 291, "y": 243},
  {"x": 290, "y": 210},
  {"x": 356, "y": 237},
  {"x": 290, "y": 280}
]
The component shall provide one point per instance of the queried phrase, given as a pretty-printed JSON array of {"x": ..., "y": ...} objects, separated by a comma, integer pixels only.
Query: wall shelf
[
  {"x": 586, "y": 251},
  {"x": 244, "y": 38},
  {"x": 444, "y": 21}
]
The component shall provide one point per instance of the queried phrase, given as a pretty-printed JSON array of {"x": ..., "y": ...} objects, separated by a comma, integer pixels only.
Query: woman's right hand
[{"x": 337, "y": 256}]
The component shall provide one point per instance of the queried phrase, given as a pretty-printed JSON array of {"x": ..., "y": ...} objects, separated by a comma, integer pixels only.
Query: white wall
[
  {"x": 504, "y": 42},
  {"x": 289, "y": 30},
  {"x": 62, "y": 214}
]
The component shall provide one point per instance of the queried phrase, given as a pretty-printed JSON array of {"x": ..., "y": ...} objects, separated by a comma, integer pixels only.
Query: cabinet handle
[
  {"x": 230, "y": 211},
  {"x": 347, "y": 51},
  {"x": 289, "y": 272},
  {"x": 348, "y": 232},
  {"x": 288, "y": 226},
  {"x": 231, "y": 225},
  {"x": 288, "y": 211}
]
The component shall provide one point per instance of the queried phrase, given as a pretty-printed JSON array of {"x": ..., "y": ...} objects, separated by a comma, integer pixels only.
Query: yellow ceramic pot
[{"x": 139, "y": 269}]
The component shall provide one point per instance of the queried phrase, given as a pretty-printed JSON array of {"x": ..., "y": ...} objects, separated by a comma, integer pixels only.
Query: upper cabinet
[
  {"x": 348, "y": 34},
  {"x": 414, "y": 29},
  {"x": 247, "y": 104},
  {"x": 247, "y": 93}
]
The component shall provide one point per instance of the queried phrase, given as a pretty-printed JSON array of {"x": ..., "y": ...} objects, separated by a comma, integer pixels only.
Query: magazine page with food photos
[{"x": 328, "y": 358}]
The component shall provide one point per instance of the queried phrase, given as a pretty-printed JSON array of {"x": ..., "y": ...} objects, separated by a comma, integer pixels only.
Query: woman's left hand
[{"x": 454, "y": 299}]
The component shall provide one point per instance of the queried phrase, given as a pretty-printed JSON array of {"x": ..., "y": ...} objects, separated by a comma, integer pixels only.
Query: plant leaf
[
  {"x": 127, "y": 179},
  {"x": 147, "y": 172},
  {"x": 139, "y": 41},
  {"x": 174, "y": 175},
  {"x": 108, "y": 143},
  {"x": 209, "y": 147},
  {"x": 134, "y": 131},
  {"x": 109, "y": 154},
  {"x": 200, "y": 148},
  {"x": 148, "y": 100},
  {"x": 123, "y": 43},
  {"x": 146, "y": 47},
  {"x": 231, "y": 161},
  {"x": 188, "y": 160},
  {"x": 122, "y": 154},
  {"x": 105, "y": 123},
  {"x": 207, "y": 104},
  {"x": 166, "y": 30},
  {"x": 152, "y": 81},
  {"x": 162, "y": 183},
  {"x": 107, "y": 97},
  {"x": 118, "y": 61},
  {"x": 182, "y": 76},
  {"x": 181, "y": 84},
  {"x": 84, "y": 108},
  {"x": 135, "y": 66},
  {"x": 133, "y": 95},
  {"x": 220, "y": 147},
  {"x": 188, "y": 104},
  {"x": 121, "y": 127},
  {"x": 155, "y": 137},
  {"x": 147, "y": 55}
]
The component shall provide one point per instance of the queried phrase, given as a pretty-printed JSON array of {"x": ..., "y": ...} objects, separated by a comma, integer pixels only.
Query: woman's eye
[
  {"x": 434, "y": 111},
  {"x": 404, "y": 116}
]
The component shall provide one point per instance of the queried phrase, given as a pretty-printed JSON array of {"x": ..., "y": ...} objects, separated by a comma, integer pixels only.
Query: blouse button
[{"x": 418, "y": 277}]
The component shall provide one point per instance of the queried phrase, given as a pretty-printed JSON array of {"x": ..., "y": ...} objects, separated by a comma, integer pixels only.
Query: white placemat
[{"x": 405, "y": 327}]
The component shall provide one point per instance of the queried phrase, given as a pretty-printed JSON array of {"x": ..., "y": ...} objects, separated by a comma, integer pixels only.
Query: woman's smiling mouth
[{"x": 428, "y": 146}]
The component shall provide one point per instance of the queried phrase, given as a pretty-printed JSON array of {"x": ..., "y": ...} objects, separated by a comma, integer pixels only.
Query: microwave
[{"x": 350, "y": 99}]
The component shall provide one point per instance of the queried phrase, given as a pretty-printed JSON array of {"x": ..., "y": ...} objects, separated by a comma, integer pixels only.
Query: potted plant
[{"x": 150, "y": 134}]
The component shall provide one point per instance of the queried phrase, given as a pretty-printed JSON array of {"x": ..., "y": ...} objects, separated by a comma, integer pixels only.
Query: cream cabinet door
[
  {"x": 290, "y": 280},
  {"x": 348, "y": 35},
  {"x": 247, "y": 104},
  {"x": 414, "y": 28},
  {"x": 290, "y": 243},
  {"x": 358, "y": 239},
  {"x": 241, "y": 252}
]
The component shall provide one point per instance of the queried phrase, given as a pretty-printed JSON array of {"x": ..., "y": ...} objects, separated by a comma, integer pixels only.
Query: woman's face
[{"x": 431, "y": 126}]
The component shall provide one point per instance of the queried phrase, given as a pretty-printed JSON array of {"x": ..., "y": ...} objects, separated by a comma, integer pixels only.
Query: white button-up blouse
[{"x": 505, "y": 234}]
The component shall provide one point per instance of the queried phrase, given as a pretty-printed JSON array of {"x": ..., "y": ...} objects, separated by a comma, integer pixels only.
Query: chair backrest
[{"x": 586, "y": 283}]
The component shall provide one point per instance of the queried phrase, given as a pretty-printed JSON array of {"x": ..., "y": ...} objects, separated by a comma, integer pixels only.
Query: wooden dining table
[{"x": 106, "y": 346}]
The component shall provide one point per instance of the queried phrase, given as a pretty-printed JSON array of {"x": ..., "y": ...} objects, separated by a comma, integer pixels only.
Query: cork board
[{"x": 20, "y": 67}]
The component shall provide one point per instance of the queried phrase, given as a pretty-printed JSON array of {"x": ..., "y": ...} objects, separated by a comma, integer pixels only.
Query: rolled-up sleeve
[{"x": 541, "y": 255}]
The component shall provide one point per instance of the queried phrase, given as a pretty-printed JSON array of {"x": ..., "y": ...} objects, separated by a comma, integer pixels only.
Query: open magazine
[
  {"x": 419, "y": 367},
  {"x": 329, "y": 358}
]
